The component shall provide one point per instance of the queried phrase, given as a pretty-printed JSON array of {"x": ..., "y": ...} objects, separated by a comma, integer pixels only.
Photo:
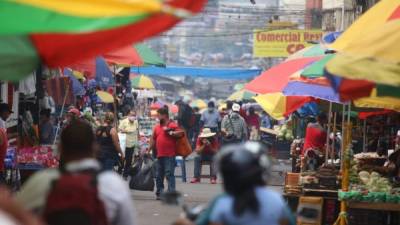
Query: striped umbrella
[
  {"x": 278, "y": 106},
  {"x": 134, "y": 55},
  {"x": 241, "y": 95},
  {"x": 105, "y": 96},
  {"x": 310, "y": 51},
  {"x": 368, "y": 50},
  {"x": 142, "y": 82},
  {"x": 61, "y": 33}
]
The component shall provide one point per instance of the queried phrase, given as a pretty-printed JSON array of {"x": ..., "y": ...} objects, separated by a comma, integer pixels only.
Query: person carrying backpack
[{"x": 80, "y": 192}]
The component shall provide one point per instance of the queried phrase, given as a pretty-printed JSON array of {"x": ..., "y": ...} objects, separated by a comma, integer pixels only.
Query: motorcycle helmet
[{"x": 244, "y": 165}]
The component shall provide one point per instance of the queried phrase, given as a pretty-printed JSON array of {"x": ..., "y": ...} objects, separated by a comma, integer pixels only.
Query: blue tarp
[{"x": 222, "y": 73}]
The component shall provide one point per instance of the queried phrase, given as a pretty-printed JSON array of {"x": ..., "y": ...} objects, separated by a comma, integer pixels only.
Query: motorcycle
[{"x": 175, "y": 198}]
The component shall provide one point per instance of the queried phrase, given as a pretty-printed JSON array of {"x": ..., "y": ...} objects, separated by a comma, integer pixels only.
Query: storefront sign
[{"x": 282, "y": 43}]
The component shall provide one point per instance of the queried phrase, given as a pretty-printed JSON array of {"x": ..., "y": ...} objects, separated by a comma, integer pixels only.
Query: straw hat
[{"x": 206, "y": 133}]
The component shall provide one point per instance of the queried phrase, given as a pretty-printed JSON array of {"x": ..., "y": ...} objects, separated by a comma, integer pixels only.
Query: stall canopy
[{"x": 222, "y": 73}]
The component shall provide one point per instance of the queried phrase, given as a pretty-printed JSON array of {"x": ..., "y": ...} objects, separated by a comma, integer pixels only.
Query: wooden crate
[{"x": 292, "y": 179}]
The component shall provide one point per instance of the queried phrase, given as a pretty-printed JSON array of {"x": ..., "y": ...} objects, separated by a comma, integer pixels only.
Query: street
[{"x": 150, "y": 211}]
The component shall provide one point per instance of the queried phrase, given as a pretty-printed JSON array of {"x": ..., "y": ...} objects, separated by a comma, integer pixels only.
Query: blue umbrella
[
  {"x": 104, "y": 77},
  {"x": 77, "y": 87}
]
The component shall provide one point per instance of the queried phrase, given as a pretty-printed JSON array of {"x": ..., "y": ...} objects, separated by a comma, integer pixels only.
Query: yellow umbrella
[
  {"x": 241, "y": 95},
  {"x": 78, "y": 75},
  {"x": 366, "y": 25},
  {"x": 142, "y": 82},
  {"x": 105, "y": 97},
  {"x": 378, "y": 102},
  {"x": 199, "y": 104},
  {"x": 369, "y": 49},
  {"x": 375, "y": 57},
  {"x": 278, "y": 105}
]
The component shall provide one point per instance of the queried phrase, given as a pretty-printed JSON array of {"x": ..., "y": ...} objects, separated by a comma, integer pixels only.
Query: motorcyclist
[{"x": 245, "y": 170}]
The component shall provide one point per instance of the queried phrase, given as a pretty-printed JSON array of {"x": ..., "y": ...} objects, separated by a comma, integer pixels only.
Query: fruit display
[
  {"x": 38, "y": 155},
  {"x": 284, "y": 132}
]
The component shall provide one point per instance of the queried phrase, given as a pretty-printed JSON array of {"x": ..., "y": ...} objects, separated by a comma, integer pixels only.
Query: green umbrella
[{"x": 148, "y": 56}]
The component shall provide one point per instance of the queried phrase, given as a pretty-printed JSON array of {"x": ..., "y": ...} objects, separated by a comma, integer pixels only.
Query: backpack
[{"x": 73, "y": 199}]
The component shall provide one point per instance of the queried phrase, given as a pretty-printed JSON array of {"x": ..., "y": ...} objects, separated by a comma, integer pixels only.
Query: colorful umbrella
[
  {"x": 59, "y": 34},
  {"x": 241, "y": 95},
  {"x": 238, "y": 87},
  {"x": 77, "y": 87},
  {"x": 105, "y": 97},
  {"x": 369, "y": 49},
  {"x": 142, "y": 82},
  {"x": 199, "y": 104},
  {"x": 278, "y": 106},
  {"x": 317, "y": 68},
  {"x": 378, "y": 102},
  {"x": 310, "y": 51},
  {"x": 367, "y": 24},
  {"x": 136, "y": 55},
  {"x": 277, "y": 77}
]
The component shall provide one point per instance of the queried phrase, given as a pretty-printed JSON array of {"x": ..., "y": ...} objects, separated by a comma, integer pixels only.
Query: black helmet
[{"x": 245, "y": 164}]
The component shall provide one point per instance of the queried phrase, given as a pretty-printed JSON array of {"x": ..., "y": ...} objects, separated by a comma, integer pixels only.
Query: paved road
[{"x": 152, "y": 212}]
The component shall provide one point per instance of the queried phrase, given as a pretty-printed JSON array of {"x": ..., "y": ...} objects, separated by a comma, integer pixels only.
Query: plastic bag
[{"x": 142, "y": 174}]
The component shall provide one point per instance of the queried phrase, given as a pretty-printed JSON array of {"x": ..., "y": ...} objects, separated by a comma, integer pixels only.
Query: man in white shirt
[
  {"x": 130, "y": 127},
  {"x": 77, "y": 151}
]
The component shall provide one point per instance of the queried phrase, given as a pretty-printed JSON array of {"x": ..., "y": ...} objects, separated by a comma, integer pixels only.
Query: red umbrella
[{"x": 276, "y": 78}]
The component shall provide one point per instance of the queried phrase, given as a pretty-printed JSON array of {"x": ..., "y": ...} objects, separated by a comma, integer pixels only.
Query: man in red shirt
[
  {"x": 206, "y": 147},
  {"x": 5, "y": 112},
  {"x": 315, "y": 141},
  {"x": 164, "y": 143}
]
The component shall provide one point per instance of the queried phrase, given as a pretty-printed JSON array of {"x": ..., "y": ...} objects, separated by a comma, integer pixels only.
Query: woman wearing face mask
[{"x": 130, "y": 126}]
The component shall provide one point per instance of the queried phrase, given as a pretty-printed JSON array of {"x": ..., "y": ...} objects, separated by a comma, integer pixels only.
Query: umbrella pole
[
  {"x": 328, "y": 133},
  {"x": 342, "y": 220},
  {"x": 115, "y": 98},
  {"x": 61, "y": 113},
  {"x": 334, "y": 137},
  {"x": 365, "y": 135}
]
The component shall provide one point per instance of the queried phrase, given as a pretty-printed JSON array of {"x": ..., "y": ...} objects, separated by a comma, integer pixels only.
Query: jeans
[
  {"x": 128, "y": 160},
  {"x": 197, "y": 165},
  {"x": 108, "y": 163},
  {"x": 165, "y": 169}
]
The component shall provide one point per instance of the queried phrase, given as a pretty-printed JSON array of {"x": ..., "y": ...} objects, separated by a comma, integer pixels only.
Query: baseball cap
[
  {"x": 236, "y": 107},
  {"x": 4, "y": 107},
  {"x": 74, "y": 111}
]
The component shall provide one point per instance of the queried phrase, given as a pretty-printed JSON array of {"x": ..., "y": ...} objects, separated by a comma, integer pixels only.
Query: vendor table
[
  {"x": 374, "y": 206},
  {"x": 330, "y": 206}
]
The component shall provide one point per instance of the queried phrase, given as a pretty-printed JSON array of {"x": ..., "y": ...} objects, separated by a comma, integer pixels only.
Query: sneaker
[
  {"x": 213, "y": 181},
  {"x": 195, "y": 180}
]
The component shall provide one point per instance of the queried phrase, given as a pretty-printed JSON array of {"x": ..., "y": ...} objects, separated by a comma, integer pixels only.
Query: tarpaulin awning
[{"x": 223, "y": 73}]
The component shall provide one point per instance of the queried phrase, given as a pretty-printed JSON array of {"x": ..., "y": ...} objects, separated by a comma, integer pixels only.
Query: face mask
[
  {"x": 132, "y": 118},
  {"x": 210, "y": 109}
]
